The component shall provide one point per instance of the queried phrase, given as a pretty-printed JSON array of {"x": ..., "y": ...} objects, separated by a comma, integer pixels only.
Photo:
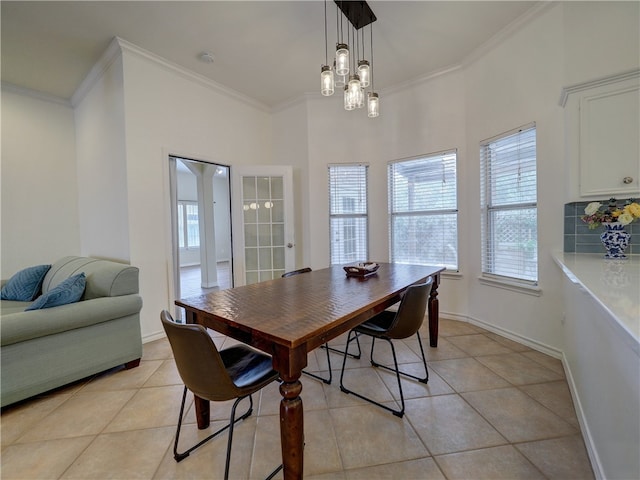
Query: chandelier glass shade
[
  {"x": 326, "y": 79},
  {"x": 342, "y": 59},
  {"x": 351, "y": 72},
  {"x": 373, "y": 105},
  {"x": 363, "y": 72}
]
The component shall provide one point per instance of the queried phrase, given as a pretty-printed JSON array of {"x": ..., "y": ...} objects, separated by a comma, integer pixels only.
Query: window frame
[
  {"x": 395, "y": 213},
  {"x": 183, "y": 221},
  {"x": 354, "y": 217},
  {"x": 514, "y": 280}
]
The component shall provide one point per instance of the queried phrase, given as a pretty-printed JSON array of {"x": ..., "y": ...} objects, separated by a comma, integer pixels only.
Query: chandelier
[{"x": 351, "y": 72}]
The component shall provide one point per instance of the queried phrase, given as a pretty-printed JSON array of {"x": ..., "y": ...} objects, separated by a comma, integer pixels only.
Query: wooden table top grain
[{"x": 294, "y": 310}]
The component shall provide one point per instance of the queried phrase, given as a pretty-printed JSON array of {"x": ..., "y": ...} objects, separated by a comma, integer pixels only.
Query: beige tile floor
[{"x": 493, "y": 409}]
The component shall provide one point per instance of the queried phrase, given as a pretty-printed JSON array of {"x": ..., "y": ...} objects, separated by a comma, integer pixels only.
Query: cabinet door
[{"x": 609, "y": 142}]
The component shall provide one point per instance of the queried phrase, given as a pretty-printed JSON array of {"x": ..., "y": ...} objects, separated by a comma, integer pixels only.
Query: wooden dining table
[{"x": 289, "y": 317}]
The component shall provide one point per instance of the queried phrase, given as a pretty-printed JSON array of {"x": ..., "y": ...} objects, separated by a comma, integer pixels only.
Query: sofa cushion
[
  {"x": 25, "y": 285},
  {"x": 68, "y": 291}
]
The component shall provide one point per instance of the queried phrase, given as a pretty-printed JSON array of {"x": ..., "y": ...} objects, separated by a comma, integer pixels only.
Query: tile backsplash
[{"x": 579, "y": 239}]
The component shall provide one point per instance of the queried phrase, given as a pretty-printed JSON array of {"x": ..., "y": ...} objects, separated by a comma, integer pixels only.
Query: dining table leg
[
  {"x": 433, "y": 312},
  {"x": 292, "y": 429},
  {"x": 289, "y": 362}
]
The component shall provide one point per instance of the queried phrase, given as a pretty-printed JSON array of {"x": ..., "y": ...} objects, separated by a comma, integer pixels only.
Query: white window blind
[
  {"x": 348, "y": 213},
  {"x": 423, "y": 210},
  {"x": 509, "y": 203}
]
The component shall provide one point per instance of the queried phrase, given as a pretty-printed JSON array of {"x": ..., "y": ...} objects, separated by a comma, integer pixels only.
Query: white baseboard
[
  {"x": 596, "y": 465},
  {"x": 153, "y": 337},
  {"x": 534, "y": 344}
]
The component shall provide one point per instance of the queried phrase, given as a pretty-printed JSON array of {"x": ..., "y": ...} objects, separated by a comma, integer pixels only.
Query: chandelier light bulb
[
  {"x": 373, "y": 105},
  {"x": 354, "y": 84},
  {"x": 342, "y": 59},
  {"x": 364, "y": 72},
  {"x": 360, "y": 98},
  {"x": 349, "y": 103},
  {"x": 326, "y": 81},
  {"x": 339, "y": 81}
]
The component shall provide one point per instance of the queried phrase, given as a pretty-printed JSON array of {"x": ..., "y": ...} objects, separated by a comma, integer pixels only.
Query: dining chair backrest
[
  {"x": 296, "y": 272},
  {"x": 410, "y": 314},
  {"x": 199, "y": 363}
]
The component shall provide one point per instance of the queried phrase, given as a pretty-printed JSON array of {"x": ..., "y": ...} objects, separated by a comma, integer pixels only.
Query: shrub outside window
[
  {"x": 509, "y": 206},
  {"x": 423, "y": 210}
]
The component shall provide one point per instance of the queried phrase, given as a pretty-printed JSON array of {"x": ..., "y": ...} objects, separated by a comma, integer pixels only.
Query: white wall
[
  {"x": 290, "y": 147},
  {"x": 102, "y": 167},
  {"x": 168, "y": 112},
  {"x": 39, "y": 189},
  {"x": 516, "y": 83},
  {"x": 600, "y": 39}
]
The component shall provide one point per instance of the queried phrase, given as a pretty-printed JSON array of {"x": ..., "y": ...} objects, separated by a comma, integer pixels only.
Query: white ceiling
[{"x": 270, "y": 51}]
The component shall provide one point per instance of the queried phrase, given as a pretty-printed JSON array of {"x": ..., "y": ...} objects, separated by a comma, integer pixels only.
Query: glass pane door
[{"x": 267, "y": 247}]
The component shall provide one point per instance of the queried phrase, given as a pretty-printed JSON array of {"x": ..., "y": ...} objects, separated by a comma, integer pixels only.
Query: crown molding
[
  {"x": 107, "y": 58},
  {"x": 118, "y": 46},
  {"x": 47, "y": 97},
  {"x": 598, "y": 82},
  {"x": 512, "y": 28},
  {"x": 419, "y": 80},
  {"x": 189, "y": 75},
  {"x": 291, "y": 102}
]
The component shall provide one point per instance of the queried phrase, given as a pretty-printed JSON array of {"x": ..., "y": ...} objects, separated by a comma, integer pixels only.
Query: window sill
[
  {"x": 451, "y": 275},
  {"x": 513, "y": 286}
]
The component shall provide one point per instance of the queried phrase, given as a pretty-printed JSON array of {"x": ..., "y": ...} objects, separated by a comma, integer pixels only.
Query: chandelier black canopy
[{"x": 351, "y": 71}]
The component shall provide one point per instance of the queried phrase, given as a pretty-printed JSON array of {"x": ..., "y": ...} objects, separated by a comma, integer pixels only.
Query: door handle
[{"x": 289, "y": 245}]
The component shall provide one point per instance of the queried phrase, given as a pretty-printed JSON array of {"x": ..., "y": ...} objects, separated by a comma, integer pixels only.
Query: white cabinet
[{"x": 603, "y": 137}]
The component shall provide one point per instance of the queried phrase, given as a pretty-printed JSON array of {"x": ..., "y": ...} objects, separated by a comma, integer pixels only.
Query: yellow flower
[
  {"x": 633, "y": 209},
  {"x": 625, "y": 218},
  {"x": 616, "y": 213}
]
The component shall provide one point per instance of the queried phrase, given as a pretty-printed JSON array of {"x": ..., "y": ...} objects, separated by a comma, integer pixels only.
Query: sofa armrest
[{"x": 21, "y": 326}]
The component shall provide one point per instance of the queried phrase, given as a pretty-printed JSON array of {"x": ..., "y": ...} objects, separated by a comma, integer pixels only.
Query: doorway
[{"x": 201, "y": 224}]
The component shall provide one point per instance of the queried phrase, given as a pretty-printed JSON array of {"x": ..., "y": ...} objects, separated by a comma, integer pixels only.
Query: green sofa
[{"x": 45, "y": 349}]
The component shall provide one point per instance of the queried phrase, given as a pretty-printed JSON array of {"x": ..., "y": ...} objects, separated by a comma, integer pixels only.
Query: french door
[{"x": 263, "y": 232}]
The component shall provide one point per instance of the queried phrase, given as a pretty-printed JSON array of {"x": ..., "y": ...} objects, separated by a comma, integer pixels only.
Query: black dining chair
[
  {"x": 389, "y": 326},
  {"x": 233, "y": 373}
]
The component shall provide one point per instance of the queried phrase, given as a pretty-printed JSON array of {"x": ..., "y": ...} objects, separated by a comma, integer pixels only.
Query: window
[
  {"x": 509, "y": 204},
  {"x": 188, "y": 226},
  {"x": 423, "y": 210},
  {"x": 348, "y": 213}
]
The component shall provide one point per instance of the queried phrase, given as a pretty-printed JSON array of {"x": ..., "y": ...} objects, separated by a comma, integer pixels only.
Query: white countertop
[{"x": 613, "y": 283}]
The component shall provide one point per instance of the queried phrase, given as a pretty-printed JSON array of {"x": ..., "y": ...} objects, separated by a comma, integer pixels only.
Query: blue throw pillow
[
  {"x": 25, "y": 285},
  {"x": 68, "y": 291}
]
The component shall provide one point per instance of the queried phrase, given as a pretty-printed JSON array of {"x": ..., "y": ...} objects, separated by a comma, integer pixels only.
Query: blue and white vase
[{"x": 615, "y": 240}]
